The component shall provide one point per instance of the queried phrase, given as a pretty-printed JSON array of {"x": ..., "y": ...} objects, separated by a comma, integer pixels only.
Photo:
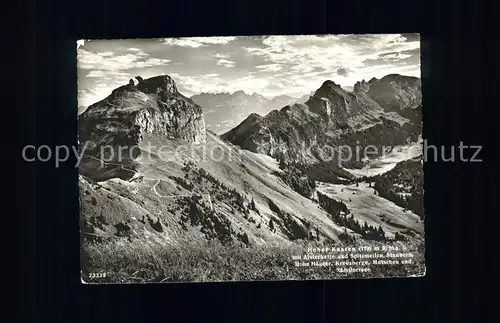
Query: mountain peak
[
  {"x": 132, "y": 111},
  {"x": 333, "y": 116},
  {"x": 157, "y": 84},
  {"x": 393, "y": 77},
  {"x": 327, "y": 89},
  {"x": 361, "y": 86},
  {"x": 329, "y": 83}
]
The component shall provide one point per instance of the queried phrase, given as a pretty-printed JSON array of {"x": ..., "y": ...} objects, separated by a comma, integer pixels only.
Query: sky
[{"x": 267, "y": 65}]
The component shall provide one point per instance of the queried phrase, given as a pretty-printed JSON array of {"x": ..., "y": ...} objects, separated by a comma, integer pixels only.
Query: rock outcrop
[
  {"x": 395, "y": 92},
  {"x": 117, "y": 125},
  {"x": 361, "y": 87}
]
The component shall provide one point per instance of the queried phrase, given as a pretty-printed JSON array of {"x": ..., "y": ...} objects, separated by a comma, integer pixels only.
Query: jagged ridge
[{"x": 333, "y": 116}]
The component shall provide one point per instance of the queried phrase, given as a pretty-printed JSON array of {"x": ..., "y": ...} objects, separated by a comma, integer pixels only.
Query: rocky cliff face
[
  {"x": 396, "y": 92},
  {"x": 361, "y": 87},
  {"x": 151, "y": 107},
  {"x": 374, "y": 110}
]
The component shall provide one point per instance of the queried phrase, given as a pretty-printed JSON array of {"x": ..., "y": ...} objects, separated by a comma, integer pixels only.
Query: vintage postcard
[{"x": 217, "y": 159}]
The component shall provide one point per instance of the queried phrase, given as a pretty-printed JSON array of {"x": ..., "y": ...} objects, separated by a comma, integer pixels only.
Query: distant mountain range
[{"x": 223, "y": 111}]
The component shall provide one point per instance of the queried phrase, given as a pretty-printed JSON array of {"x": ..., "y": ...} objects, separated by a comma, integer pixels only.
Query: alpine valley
[{"x": 165, "y": 197}]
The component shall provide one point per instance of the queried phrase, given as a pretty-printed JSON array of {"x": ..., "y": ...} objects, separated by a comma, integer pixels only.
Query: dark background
[{"x": 458, "y": 89}]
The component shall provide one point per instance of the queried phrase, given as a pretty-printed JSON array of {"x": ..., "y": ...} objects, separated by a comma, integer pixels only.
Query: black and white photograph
[{"x": 250, "y": 158}]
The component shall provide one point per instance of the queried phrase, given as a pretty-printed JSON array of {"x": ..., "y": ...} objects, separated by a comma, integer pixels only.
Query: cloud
[
  {"x": 402, "y": 55},
  {"x": 96, "y": 73},
  {"x": 269, "y": 67},
  {"x": 106, "y": 60},
  {"x": 87, "y": 97},
  {"x": 412, "y": 36},
  {"x": 106, "y": 74},
  {"x": 394, "y": 56},
  {"x": 332, "y": 52},
  {"x": 343, "y": 71},
  {"x": 349, "y": 56},
  {"x": 225, "y": 62},
  {"x": 195, "y": 42},
  {"x": 213, "y": 40},
  {"x": 182, "y": 42},
  {"x": 219, "y": 55}
]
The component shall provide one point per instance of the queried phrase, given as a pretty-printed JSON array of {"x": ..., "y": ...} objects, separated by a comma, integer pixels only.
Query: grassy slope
[
  {"x": 366, "y": 206},
  {"x": 176, "y": 254},
  {"x": 151, "y": 260},
  {"x": 155, "y": 194}
]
